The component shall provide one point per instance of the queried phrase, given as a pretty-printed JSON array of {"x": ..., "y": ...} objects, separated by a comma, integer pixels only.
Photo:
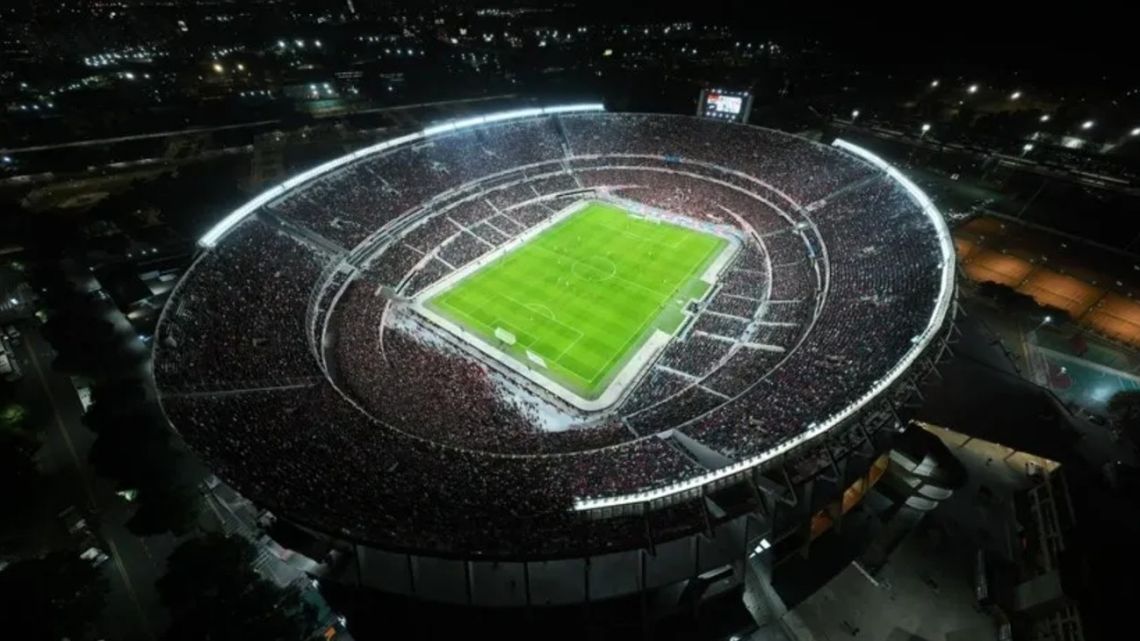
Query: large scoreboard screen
[{"x": 724, "y": 104}]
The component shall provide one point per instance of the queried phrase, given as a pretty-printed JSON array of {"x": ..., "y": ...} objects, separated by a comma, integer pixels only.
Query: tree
[
  {"x": 1124, "y": 410},
  {"x": 19, "y": 475},
  {"x": 135, "y": 448},
  {"x": 212, "y": 592},
  {"x": 50, "y": 598}
]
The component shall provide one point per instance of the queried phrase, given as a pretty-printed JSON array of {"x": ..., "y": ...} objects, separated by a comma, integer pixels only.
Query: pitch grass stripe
[
  {"x": 592, "y": 358},
  {"x": 607, "y": 277}
]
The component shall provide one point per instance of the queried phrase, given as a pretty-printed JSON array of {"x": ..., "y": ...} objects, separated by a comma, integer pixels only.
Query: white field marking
[
  {"x": 653, "y": 316},
  {"x": 613, "y": 269},
  {"x": 542, "y": 309},
  {"x": 648, "y": 318},
  {"x": 552, "y": 318},
  {"x": 615, "y": 276},
  {"x": 657, "y": 313},
  {"x": 574, "y": 342},
  {"x": 653, "y": 345},
  {"x": 645, "y": 239}
]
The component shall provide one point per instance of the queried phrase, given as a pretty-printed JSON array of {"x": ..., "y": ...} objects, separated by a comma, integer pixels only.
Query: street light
[
  {"x": 972, "y": 89},
  {"x": 218, "y": 67},
  {"x": 925, "y": 127},
  {"x": 855, "y": 114},
  {"x": 1044, "y": 118},
  {"x": 1088, "y": 124},
  {"x": 934, "y": 83},
  {"x": 240, "y": 67},
  {"x": 1027, "y": 147},
  {"x": 1015, "y": 95},
  {"x": 1135, "y": 131}
]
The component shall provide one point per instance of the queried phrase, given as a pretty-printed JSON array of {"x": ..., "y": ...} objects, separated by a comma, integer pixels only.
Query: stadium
[{"x": 556, "y": 354}]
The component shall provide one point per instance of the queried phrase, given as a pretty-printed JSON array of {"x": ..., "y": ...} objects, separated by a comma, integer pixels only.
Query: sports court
[{"x": 578, "y": 299}]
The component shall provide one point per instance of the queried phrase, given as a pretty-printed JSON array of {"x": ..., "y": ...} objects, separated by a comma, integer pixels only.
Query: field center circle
[{"x": 594, "y": 269}]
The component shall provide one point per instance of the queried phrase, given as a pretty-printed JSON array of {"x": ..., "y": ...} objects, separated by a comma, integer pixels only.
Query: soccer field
[{"x": 584, "y": 294}]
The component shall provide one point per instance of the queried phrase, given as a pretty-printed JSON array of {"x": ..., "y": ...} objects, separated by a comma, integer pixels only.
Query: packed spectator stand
[{"x": 398, "y": 435}]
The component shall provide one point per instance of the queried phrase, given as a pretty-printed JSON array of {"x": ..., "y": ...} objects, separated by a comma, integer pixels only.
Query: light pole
[{"x": 854, "y": 114}]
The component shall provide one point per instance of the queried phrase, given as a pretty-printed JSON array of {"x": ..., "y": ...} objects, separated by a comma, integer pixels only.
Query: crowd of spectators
[
  {"x": 238, "y": 320},
  {"x": 436, "y": 449}
]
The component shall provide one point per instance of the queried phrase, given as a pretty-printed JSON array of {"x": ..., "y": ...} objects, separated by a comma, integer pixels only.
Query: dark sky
[{"x": 1066, "y": 36}]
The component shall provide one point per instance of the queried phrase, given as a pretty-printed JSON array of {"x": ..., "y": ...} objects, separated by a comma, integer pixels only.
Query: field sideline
[{"x": 584, "y": 294}]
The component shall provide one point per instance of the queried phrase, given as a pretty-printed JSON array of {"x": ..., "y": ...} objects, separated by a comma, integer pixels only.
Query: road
[{"x": 133, "y": 611}]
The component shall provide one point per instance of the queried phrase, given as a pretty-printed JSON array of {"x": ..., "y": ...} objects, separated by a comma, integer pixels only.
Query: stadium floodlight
[
  {"x": 1088, "y": 124},
  {"x": 972, "y": 89},
  {"x": 211, "y": 237},
  {"x": 1044, "y": 118},
  {"x": 1015, "y": 95}
]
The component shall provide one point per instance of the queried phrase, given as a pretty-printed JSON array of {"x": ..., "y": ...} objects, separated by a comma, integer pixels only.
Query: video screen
[{"x": 725, "y": 105}]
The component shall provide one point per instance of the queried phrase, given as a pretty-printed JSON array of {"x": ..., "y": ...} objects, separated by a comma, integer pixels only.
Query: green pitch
[{"x": 585, "y": 293}]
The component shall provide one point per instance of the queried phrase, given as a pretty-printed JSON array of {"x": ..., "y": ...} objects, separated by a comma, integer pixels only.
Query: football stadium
[{"x": 557, "y": 354}]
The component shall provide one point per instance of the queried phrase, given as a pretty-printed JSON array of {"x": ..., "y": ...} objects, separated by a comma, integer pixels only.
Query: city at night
[{"x": 395, "y": 319}]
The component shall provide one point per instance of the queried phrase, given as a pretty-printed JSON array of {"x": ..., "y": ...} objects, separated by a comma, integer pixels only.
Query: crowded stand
[
  {"x": 240, "y": 320},
  {"x": 695, "y": 355},
  {"x": 463, "y": 249},
  {"x": 400, "y": 433},
  {"x": 427, "y": 274},
  {"x": 729, "y": 327}
]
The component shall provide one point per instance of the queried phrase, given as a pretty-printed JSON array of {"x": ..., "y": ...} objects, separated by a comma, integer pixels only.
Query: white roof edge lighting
[
  {"x": 211, "y": 237},
  {"x": 921, "y": 342}
]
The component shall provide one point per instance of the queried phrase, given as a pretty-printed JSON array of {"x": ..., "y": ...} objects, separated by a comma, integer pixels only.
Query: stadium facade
[{"x": 291, "y": 357}]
